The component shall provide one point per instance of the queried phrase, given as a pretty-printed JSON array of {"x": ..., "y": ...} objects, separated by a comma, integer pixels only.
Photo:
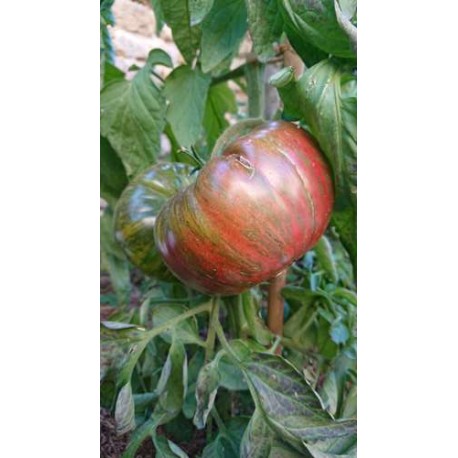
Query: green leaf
[
  {"x": 265, "y": 24},
  {"x": 260, "y": 441},
  {"x": 143, "y": 401},
  {"x": 227, "y": 442},
  {"x": 199, "y": 9},
  {"x": 309, "y": 54},
  {"x": 330, "y": 393},
  {"x": 305, "y": 296},
  {"x": 115, "y": 260},
  {"x": 186, "y": 331},
  {"x": 190, "y": 403},
  {"x": 113, "y": 178},
  {"x": 159, "y": 15},
  {"x": 220, "y": 100},
  {"x": 186, "y": 90},
  {"x": 346, "y": 294},
  {"x": 341, "y": 447},
  {"x": 133, "y": 116},
  {"x": 299, "y": 326},
  {"x": 328, "y": 99},
  {"x": 120, "y": 347},
  {"x": 166, "y": 448},
  {"x": 345, "y": 9},
  {"x": 172, "y": 384},
  {"x": 256, "y": 326},
  {"x": 325, "y": 257},
  {"x": 111, "y": 73},
  {"x": 206, "y": 389},
  {"x": 289, "y": 404},
  {"x": 232, "y": 377},
  {"x": 339, "y": 332},
  {"x": 220, "y": 447},
  {"x": 344, "y": 219},
  {"x": 350, "y": 404},
  {"x": 177, "y": 14},
  {"x": 222, "y": 32},
  {"x": 125, "y": 410},
  {"x": 316, "y": 22}
]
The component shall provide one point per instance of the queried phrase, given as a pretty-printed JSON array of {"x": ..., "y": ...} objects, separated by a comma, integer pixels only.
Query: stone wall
[{"x": 134, "y": 35}]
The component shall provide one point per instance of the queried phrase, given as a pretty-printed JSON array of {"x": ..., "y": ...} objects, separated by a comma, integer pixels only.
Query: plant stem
[
  {"x": 219, "y": 421},
  {"x": 169, "y": 301},
  {"x": 254, "y": 74},
  {"x": 233, "y": 74},
  {"x": 210, "y": 343},
  {"x": 275, "y": 306},
  {"x": 178, "y": 319},
  {"x": 233, "y": 329},
  {"x": 210, "y": 349},
  {"x": 224, "y": 343},
  {"x": 162, "y": 328}
]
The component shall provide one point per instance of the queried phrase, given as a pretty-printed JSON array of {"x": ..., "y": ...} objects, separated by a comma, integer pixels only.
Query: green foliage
[
  {"x": 222, "y": 32},
  {"x": 162, "y": 374},
  {"x": 314, "y": 24},
  {"x": 177, "y": 15},
  {"x": 199, "y": 9},
  {"x": 186, "y": 331},
  {"x": 266, "y": 25},
  {"x": 188, "y": 88},
  {"x": 132, "y": 115},
  {"x": 227, "y": 442},
  {"x": 159, "y": 14},
  {"x": 172, "y": 384},
  {"x": 259, "y": 441},
  {"x": 288, "y": 403},
  {"x": 206, "y": 389},
  {"x": 114, "y": 259},
  {"x": 220, "y": 100},
  {"x": 113, "y": 177},
  {"x": 166, "y": 448}
]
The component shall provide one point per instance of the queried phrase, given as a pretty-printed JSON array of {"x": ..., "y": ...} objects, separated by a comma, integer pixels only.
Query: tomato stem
[
  {"x": 254, "y": 74},
  {"x": 213, "y": 318},
  {"x": 275, "y": 306}
]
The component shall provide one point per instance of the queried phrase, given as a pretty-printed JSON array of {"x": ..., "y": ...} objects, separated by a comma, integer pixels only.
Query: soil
[{"x": 113, "y": 446}]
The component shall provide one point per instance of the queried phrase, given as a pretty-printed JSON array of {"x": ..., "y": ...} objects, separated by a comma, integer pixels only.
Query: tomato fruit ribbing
[{"x": 250, "y": 213}]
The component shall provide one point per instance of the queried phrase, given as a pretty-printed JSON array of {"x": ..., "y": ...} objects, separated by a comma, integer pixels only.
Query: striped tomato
[
  {"x": 250, "y": 213},
  {"x": 137, "y": 209}
]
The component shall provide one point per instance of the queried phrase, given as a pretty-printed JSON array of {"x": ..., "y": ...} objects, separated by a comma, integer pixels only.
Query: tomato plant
[{"x": 232, "y": 254}]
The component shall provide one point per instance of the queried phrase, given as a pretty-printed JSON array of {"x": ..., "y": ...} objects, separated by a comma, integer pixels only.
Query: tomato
[
  {"x": 250, "y": 213},
  {"x": 137, "y": 209}
]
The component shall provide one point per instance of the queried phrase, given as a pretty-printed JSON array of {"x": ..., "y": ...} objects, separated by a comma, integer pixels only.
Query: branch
[
  {"x": 275, "y": 306},
  {"x": 233, "y": 74}
]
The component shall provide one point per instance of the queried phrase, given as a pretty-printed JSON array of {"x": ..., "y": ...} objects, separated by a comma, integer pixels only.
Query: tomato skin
[
  {"x": 252, "y": 211},
  {"x": 137, "y": 209}
]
